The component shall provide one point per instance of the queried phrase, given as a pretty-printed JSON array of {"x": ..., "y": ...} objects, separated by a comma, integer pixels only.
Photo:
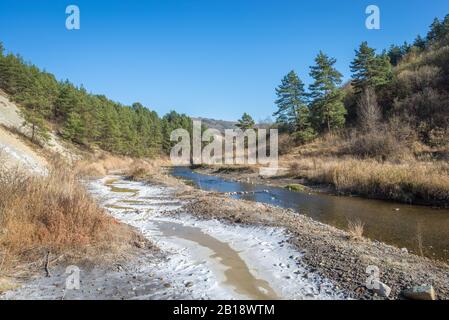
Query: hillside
[
  {"x": 19, "y": 151},
  {"x": 14, "y": 151}
]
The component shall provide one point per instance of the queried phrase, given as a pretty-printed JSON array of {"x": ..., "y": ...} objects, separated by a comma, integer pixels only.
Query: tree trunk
[{"x": 33, "y": 129}]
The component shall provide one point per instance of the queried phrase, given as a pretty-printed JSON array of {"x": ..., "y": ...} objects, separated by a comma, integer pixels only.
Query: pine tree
[
  {"x": 304, "y": 130},
  {"x": 420, "y": 43},
  {"x": 290, "y": 98},
  {"x": 15, "y": 75},
  {"x": 246, "y": 122},
  {"x": 395, "y": 55},
  {"x": 110, "y": 137},
  {"x": 67, "y": 101},
  {"x": 328, "y": 111},
  {"x": 369, "y": 69},
  {"x": 74, "y": 129},
  {"x": 34, "y": 111},
  {"x": 436, "y": 32}
]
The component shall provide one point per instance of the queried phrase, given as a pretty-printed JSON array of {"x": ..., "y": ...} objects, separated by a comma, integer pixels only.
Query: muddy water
[
  {"x": 110, "y": 184},
  {"x": 422, "y": 230},
  {"x": 237, "y": 274}
]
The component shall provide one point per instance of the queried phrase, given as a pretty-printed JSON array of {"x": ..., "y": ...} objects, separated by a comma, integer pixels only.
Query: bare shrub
[
  {"x": 426, "y": 109},
  {"x": 355, "y": 229},
  {"x": 380, "y": 144},
  {"x": 423, "y": 77},
  {"x": 369, "y": 113},
  {"x": 285, "y": 143},
  {"x": 52, "y": 213},
  {"x": 438, "y": 137},
  {"x": 140, "y": 169}
]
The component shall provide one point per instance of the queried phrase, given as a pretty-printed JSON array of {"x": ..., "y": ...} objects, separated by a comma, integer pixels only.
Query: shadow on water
[{"x": 397, "y": 224}]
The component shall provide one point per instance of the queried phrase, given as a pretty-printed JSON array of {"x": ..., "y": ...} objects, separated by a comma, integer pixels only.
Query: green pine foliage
[
  {"x": 372, "y": 70},
  {"x": 84, "y": 118},
  {"x": 172, "y": 121},
  {"x": 290, "y": 98},
  {"x": 327, "y": 108},
  {"x": 246, "y": 122}
]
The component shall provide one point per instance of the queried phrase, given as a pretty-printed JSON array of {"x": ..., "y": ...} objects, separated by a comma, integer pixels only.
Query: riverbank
[
  {"x": 206, "y": 245},
  {"x": 49, "y": 222},
  {"x": 416, "y": 183},
  {"x": 330, "y": 252}
]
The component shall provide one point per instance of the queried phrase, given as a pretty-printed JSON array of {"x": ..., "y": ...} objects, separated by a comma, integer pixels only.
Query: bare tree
[{"x": 368, "y": 111}]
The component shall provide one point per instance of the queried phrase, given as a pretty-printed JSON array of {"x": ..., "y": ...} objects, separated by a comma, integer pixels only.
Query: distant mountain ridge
[{"x": 220, "y": 125}]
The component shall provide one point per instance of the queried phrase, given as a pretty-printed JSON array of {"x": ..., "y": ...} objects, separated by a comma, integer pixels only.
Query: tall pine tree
[
  {"x": 246, "y": 122},
  {"x": 328, "y": 111},
  {"x": 291, "y": 99},
  {"x": 369, "y": 69}
]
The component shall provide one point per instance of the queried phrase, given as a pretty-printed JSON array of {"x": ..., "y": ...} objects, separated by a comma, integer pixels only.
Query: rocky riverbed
[{"x": 206, "y": 245}]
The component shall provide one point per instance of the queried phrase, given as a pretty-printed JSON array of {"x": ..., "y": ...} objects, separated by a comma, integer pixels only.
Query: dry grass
[
  {"x": 355, "y": 229},
  {"x": 377, "y": 167},
  {"x": 154, "y": 171},
  {"x": 53, "y": 213},
  {"x": 410, "y": 182},
  {"x": 102, "y": 165}
]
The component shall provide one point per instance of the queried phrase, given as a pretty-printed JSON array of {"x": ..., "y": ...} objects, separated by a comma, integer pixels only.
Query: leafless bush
[
  {"x": 423, "y": 77},
  {"x": 426, "y": 109},
  {"x": 286, "y": 143},
  {"x": 368, "y": 111},
  {"x": 380, "y": 144},
  {"x": 438, "y": 137}
]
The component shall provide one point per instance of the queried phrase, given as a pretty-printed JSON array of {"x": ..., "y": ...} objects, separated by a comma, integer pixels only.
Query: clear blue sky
[{"x": 212, "y": 58}]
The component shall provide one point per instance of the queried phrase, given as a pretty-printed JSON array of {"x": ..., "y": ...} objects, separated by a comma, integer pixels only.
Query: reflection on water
[
  {"x": 237, "y": 273},
  {"x": 397, "y": 224}
]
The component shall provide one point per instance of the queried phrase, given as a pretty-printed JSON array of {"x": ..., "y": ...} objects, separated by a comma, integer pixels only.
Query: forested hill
[
  {"x": 82, "y": 117},
  {"x": 397, "y": 95}
]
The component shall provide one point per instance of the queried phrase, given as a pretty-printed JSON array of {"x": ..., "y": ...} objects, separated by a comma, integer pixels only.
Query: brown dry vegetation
[
  {"x": 355, "y": 229},
  {"x": 388, "y": 168},
  {"x": 101, "y": 165},
  {"x": 154, "y": 171},
  {"x": 53, "y": 213}
]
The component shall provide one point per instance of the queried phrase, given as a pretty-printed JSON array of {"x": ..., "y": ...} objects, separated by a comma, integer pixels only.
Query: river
[
  {"x": 208, "y": 258},
  {"x": 422, "y": 230}
]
